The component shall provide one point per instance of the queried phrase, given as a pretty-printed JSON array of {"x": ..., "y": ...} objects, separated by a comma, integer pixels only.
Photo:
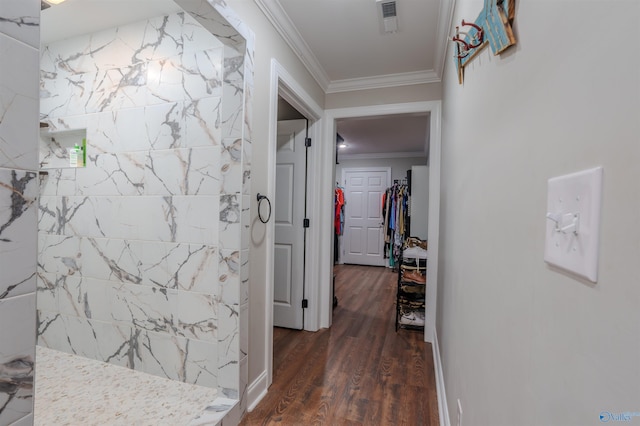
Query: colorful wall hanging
[{"x": 493, "y": 26}]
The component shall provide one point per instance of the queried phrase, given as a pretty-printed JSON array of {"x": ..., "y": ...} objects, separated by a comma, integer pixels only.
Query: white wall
[
  {"x": 268, "y": 45},
  {"x": 399, "y": 166},
  {"x": 386, "y": 95},
  {"x": 523, "y": 344}
]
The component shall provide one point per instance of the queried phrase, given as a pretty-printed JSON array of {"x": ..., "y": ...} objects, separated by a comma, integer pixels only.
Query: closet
[{"x": 395, "y": 211}]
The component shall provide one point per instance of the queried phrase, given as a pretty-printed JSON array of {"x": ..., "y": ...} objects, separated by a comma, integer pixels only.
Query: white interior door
[
  {"x": 363, "y": 240},
  {"x": 289, "y": 232}
]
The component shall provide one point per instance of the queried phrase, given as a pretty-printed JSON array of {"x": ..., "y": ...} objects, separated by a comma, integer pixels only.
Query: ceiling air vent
[{"x": 387, "y": 15}]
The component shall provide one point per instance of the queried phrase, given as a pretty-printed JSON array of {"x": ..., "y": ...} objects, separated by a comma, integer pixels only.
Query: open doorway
[
  {"x": 376, "y": 154},
  {"x": 332, "y": 119},
  {"x": 294, "y": 120}
]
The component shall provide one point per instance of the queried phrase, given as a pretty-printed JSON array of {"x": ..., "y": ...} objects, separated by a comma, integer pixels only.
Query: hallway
[{"x": 360, "y": 371}]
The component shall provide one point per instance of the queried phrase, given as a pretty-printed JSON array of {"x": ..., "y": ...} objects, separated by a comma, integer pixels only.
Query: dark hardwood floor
[{"x": 358, "y": 372}]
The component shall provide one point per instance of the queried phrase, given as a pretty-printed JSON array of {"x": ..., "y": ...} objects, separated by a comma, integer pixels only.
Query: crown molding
[
  {"x": 445, "y": 21},
  {"x": 381, "y": 81},
  {"x": 381, "y": 155},
  {"x": 282, "y": 23}
]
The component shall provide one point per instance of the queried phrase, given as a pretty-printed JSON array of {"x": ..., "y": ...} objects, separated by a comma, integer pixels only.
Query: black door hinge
[
  {"x": 305, "y": 223},
  {"x": 305, "y": 303},
  {"x": 307, "y": 142}
]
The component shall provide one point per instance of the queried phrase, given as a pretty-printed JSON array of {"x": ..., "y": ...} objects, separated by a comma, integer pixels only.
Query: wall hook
[{"x": 478, "y": 37}]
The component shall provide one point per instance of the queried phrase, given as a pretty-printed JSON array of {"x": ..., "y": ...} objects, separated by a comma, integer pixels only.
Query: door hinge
[
  {"x": 305, "y": 223},
  {"x": 307, "y": 142},
  {"x": 305, "y": 303}
]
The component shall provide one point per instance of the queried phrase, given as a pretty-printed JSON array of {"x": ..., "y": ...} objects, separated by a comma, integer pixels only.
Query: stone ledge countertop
[{"x": 72, "y": 390}]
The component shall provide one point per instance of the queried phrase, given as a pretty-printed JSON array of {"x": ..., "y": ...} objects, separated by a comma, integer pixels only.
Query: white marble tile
[
  {"x": 228, "y": 377},
  {"x": 230, "y": 216},
  {"x": 201, "y": 366},
  {"x": 17, "y": 319},
  {"x": 120, "y": 131},
  {"x": 194, "y": 267},
  {"x": 203, "y": 73},
  {"x": 195, "y": 36},
  {"x": 18, "y": 105},
  {"x": 162, "y": 355},
  {"x": 232, "y": 117},
  {"x": 21, "y": 20},
  {"x": 245, "y": 217},
  {"x": 70, "y": 297},
  {"x": 216, "y": 413},
  {"x": 145, "y": 308},
  {"x": 196, "y": 316},
  {"x": 246, "y": 167},
  {"x": 118, "y": 88},
  {"x": 25, "y": 421},
  {"x": 202, "y": 122},
  {"x": 63, "y": 93},
  {"x": 141, "y": 286},
  {"x": 18, "y": 233},
  {"x": 17, "y": 327},
  {"x": 228, "y": 304},
  {"x": 244, "y": 277},
  {"x": 58, "y": 182},
  {"x": 89, "y": 338},
  {"x": 148, "y": 218},
  {"x": 244, "y": 330},
  {"x": 195, "y": 219},
  {"x": 219, "y": 20},
  {"x": 188, "y": 267},
  {"x": 231, "y": 166},
  {"x": 104, "y": 213},
  {"x": 72, "y": 55},
  {"x": 165, "y": 126},
  {"x": 59, "y": 254},
  {"x": 165, "y": 81},
  {"x": 183, "y": 172},
  {"x": 112, "y": 174},
  {"x": 111, "y": 259},
  {"x": 48, "y": 214},
  {"x": 47, "y": 291}
]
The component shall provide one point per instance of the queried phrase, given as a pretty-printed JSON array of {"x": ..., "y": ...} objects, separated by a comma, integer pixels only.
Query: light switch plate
[{"x": 574, "y": 199}]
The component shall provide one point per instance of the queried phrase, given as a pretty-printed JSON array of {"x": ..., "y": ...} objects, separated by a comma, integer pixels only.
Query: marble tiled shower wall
[
  {"x": 137, "y": 250},
  {"x": 19, "y": 42}
]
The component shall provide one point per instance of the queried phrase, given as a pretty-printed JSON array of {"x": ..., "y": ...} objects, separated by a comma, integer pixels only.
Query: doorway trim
[
  {"x": 324, "y": 192},
  {"x": 283, "y": 84}
]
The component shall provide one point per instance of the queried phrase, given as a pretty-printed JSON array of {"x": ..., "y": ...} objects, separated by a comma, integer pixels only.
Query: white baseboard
[
  {"x": 256, "y": 391},
  {"x": 443, "y": 409}
]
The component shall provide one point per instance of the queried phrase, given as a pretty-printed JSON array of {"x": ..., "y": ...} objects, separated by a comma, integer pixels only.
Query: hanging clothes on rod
[
  {"x": 395, "y": 210},
  {"x": 339, "y": 203}
]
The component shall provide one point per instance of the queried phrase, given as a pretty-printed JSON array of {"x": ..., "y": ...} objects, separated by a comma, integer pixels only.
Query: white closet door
[{"x": 363, "y": 239}]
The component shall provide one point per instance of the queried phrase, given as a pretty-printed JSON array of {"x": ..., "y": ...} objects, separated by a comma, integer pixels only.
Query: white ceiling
[
  {"x": 400, "y": 135},
  {"x": 339, "y": 41},
  {"x": 77, "y": 17},
  {"x": 342, "y": 45}
]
